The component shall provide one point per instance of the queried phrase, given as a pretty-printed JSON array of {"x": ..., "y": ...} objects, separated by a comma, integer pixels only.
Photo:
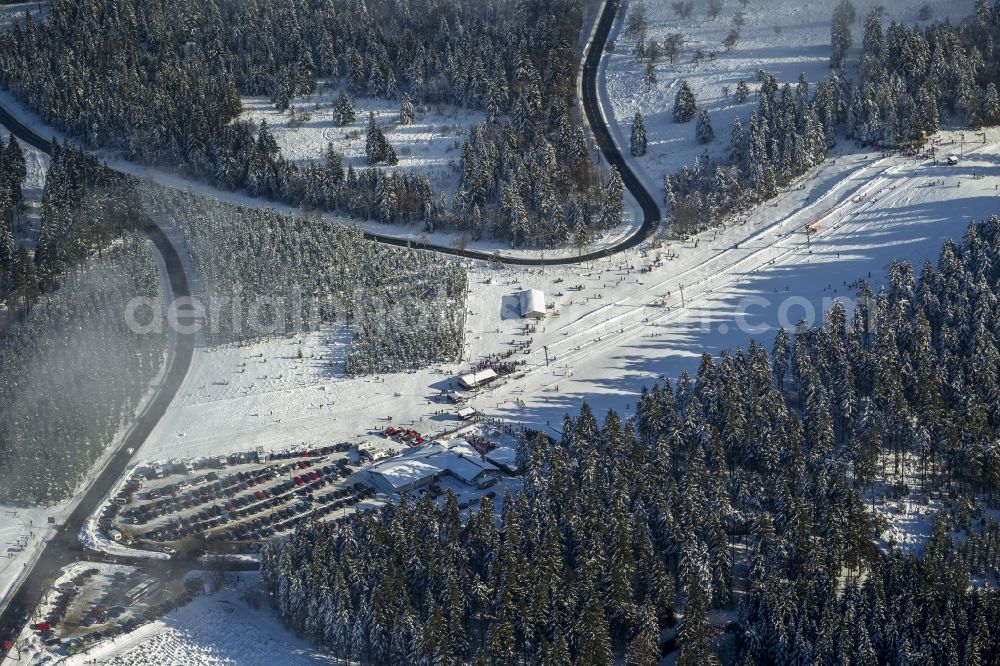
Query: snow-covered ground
[
  {"x": 213, "y": 630},
  {"x": 624, "y": 330},
  {"x": 905, "y": 520},
  {"x": 632, "y": 217},
  {"x": 9, "y": 14},
  {"x": 783, "y": 37},
  {"x": 432, "y": 144},
  {"x": 37, "y": 163},
  {"x": 751, "y": 278},
  {"x": 23, "y": 531}
]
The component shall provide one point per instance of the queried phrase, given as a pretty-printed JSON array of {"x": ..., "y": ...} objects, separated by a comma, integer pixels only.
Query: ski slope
[{"x": 624, "y": 330}]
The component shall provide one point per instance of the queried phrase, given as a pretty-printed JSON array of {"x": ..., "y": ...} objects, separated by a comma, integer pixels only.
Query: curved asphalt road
[
  {"x": 598, "y": 125},
  {"x": 609, "y": 150},
  {"x": 65, "y": 548}
]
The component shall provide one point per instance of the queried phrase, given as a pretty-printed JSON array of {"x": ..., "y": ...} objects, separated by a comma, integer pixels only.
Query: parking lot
[
  {"x": 244, "y": 497},
  {"x": 90, "y": 602}
]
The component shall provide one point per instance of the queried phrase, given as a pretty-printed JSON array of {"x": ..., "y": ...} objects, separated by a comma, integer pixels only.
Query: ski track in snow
[{"x": 605, "y": 349}]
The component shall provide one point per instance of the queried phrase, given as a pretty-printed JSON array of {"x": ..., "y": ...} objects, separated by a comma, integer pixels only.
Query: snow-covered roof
[
  {"x": 474, "y": 379},
  {"x": 402, "y": 474},
  {"x": 532, "y": 303},
  {"x": 466, "y": 469},
  {"x": 504, "y": 457},
  {"x": 419, "y": 465},
  {"x": 461, "y": 447}
]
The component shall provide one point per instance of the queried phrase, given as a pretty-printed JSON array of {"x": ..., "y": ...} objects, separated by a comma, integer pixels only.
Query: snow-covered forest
[
  {"x": 68, "y": 330},
  {"x": 53, "y": 425},
  {"x": 161, "y": 82},
  {"x": 267, "y": 274},
  {"x": 903, "y": 84},
  {"x": 789, "y": 134},
  {"x": 911, "y": 78},
  {"x": 741, "y": 488}
]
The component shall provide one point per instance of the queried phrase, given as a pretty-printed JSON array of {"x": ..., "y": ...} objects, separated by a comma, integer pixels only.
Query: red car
[
  {"x": 42, "y": 626},
  {"x": 298, "y": 480},
  {"x": 313, "y": 475}
]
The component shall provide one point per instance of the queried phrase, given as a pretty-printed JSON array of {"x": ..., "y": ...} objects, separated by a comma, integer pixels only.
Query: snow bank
[{"x": 94, "y": 539}]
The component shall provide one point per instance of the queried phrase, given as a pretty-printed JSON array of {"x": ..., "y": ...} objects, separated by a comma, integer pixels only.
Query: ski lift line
[
  {"x": 702, "y": 280},
  {"x": 592, "y": 345}
]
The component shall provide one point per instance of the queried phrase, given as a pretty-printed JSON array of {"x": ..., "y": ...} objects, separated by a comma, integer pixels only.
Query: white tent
[{"x": 532, "y": 304}]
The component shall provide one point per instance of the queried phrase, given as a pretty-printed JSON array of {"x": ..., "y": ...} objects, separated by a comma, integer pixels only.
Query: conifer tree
[
  {"x": 991, "y": 105},
  {"x": 738, "y": 145},
  {"x": 684, "y": 104},
  {"x": 644, "y": 648},
  {"x": 376, "y": 149},
  {"x": 638, "y": 140},
  {"x": 840, "y": 33},
  {"x": 8, "y": 257},
  {"x": 343, "y": 110},
  {"x": 742, "y": 92},
  {"x": 406, "y": 113},
  {"x": 613, "y": 201},
  {"x": 695, "y": 633},
  {"x": 703, "y": 130}
]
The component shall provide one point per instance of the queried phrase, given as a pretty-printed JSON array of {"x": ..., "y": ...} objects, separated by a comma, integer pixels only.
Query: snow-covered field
[
  {"x": 431, "y": 145},
  {"x": 23, "y": 531},
  {"x": 783, "y": 37},
  {"x": 215, "y": 630},
  {"x": 624, "y": 330}
]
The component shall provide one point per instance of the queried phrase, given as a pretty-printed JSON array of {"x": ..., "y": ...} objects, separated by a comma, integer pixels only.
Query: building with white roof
[
  {"x": 475, "y": 379},
  {"x": 422, "y": 466},
  {"x": 505, "y": 458},
  {"x": 532, "y": 304},
  {"x": 402, "y": 475}
]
